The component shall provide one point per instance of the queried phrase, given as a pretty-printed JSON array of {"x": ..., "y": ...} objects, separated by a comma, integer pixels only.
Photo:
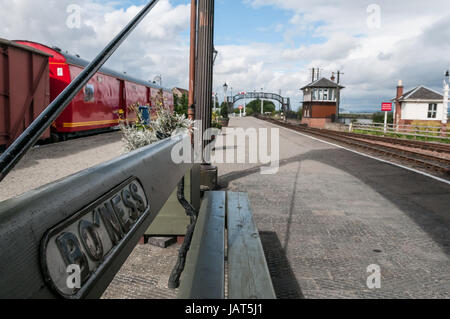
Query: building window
[
  {"x": 325, "y": 94},
  {"x": 314, "y": 94},
  {"x": 432, "y": 109},
  {"x": 320, "y": 95},
  {"x": 331, "y": 96},
  {"x": 89, "y": 93}
]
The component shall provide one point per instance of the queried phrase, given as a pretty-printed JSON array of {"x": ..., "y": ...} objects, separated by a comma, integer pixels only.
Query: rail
[{"x": 422, "y": 131}]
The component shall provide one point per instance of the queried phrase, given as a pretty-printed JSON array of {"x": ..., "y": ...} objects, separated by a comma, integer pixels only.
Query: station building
[
  {"x": 320, "y": 102},
  {"x": 419, "y": 104},
  {"x": 179, "y": 92}
]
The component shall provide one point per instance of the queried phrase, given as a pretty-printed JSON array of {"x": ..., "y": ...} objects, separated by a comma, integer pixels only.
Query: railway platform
[
  {"x": 330, "y": 213},
  {"x": 324, "y": 217}
]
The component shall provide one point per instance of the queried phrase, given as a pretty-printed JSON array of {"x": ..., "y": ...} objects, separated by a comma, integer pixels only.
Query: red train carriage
[
  {"x": 100, "y": 103},
  {"x": 24, "y": 89}
]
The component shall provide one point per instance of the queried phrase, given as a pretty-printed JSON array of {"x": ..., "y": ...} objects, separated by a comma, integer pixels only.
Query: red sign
[
  {"x": 240, "y": 107},
  {"x": 386, "y": 107}
]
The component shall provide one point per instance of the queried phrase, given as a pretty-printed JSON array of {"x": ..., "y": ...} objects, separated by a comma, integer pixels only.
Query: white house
[{"x": 418, "y": 104}]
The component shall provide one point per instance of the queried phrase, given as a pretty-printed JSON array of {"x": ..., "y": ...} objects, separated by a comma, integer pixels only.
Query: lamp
[
  {"x": 225, "y": 88},
  {"x": 215, "y": 52}
]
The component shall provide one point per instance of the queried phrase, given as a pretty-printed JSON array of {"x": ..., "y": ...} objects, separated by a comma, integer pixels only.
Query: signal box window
[
  {"x": 432, "y": 109},
  {"x": 89, "y": 93}
]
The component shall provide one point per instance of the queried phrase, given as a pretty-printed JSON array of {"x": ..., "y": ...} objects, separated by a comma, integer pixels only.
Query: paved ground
[
  {"x": 329, "y": 213},
  {"x": 146, "y": 272},
  {"x": 323, "y": 218},
  {"x": 47, "y": 163}
]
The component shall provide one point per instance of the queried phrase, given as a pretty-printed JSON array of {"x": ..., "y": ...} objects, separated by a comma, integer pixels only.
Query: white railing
[{"x": 434, "y": 132}]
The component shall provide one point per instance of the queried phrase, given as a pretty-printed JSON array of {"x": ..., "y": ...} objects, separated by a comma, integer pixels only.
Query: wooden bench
[{"x": 225, "y": 236}]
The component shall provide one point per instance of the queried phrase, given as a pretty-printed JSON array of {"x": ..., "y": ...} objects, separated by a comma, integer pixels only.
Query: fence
[{"x": 403, "y": 130}]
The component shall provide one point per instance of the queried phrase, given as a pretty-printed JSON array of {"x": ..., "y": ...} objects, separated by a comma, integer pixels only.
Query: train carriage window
[{"x": 89, "y": 93}]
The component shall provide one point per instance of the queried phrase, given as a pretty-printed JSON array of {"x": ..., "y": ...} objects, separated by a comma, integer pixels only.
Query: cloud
[
  {"x": 337, "y": 47},
  {"x": 411, "y": 43},
  {"x": 155, "y": 46}
]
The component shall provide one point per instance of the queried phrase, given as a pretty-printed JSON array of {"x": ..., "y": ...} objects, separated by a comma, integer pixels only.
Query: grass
[{"x": 431, "y": 138}]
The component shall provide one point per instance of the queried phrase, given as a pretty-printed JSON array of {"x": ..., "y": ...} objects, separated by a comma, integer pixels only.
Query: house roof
[
  {"x": 322, "y": 83},
  {"x": 421, "y": 93},
  {"x": 182, "y": 91}
]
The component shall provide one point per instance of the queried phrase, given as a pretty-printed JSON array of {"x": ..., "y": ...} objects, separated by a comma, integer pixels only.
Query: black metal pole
[{"x": 30, "y": 136}]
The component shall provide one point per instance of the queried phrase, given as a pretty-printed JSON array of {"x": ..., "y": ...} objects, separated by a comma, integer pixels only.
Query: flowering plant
[{"x": 147, "y": 131}]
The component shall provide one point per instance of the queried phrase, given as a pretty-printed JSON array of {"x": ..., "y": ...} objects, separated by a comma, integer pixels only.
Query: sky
[{"x": 269, "y": 44}]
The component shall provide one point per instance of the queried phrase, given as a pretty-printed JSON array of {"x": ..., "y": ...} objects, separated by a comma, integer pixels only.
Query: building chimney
[
  {"x": 398, "y": 109},
  {"x": 313, "y": 71},
  {"x": 332, "y": 77}
]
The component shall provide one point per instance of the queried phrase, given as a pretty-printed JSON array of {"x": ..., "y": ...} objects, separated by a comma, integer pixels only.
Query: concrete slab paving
[{"x": 335, "y": 213}]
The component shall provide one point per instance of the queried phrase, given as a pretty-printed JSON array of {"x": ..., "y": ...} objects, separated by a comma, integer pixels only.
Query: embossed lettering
[
  {"x": 112, "y": 223},
  {"x": 139, "y": 201},
  {"x": 124, "y": 217},
  {"x": 70, "y": 250},
  {"x": 90, "y": 239},
  {"x": 132, "y": 210}
]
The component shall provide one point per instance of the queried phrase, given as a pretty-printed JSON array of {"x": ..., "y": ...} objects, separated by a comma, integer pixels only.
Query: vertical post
[
  {"x": 203, "y": 73},
  {"x": 445, "y": 108},
  {"x": 203, "y": 87},
  {"x": 245, "y": 104},
  {"x": 398, "y": 107},
  {"x": 192, "y": 57},
  {"x": 338, "y": 95},
  {"x": 385, "y": 122},
  {"x": 262, "y": 102},
  {"x": 195, "y": 171}
]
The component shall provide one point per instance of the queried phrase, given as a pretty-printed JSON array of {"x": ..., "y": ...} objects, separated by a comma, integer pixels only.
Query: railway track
[
  {"x": 434, "y": 163},
  {"x": 429, "y": 146}
]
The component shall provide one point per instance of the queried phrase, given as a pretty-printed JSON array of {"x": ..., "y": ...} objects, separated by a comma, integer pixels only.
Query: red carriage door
[{"x": 123, "y": 101}]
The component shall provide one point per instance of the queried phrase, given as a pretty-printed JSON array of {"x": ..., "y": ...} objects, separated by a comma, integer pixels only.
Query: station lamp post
[
  {"x": 215, "y": 53},
  {"x": 445, "y": 104},
  {"x": 262, "y": 102},
  {"x": 231, "y": 89},
  {"x": 225, "y": 88},
  {"x": 245, "y": 103}
]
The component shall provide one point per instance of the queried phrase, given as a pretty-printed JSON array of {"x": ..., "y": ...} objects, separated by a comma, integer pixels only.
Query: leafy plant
[
  {"x": 139, "y": 133},
  {"x": 224, "y": 110},
  {"x": 181, "y": 104},
  {"x": 378, "y": 117}
]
